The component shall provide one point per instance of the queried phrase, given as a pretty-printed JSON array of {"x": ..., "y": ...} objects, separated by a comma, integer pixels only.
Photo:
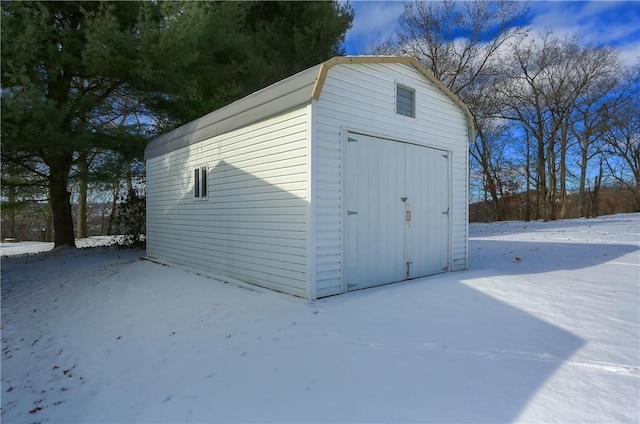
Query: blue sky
[{"x": 594, "y": 22}]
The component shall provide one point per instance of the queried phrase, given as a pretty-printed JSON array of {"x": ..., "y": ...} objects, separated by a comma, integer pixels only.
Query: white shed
[{"x": 350, "y": 174}]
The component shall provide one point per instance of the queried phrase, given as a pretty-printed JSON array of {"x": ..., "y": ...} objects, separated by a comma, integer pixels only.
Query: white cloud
[
  {"x": 630, "y": 53},
  {"x": 593, "y": 22},
  {"x": 374, "y": 22},
  {"x": 611, "y": 23}
]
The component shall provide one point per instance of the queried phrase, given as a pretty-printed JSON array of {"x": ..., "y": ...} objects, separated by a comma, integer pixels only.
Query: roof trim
[
  {"x": 280, "y": 97},
  {"x": 347, "y": 60}
]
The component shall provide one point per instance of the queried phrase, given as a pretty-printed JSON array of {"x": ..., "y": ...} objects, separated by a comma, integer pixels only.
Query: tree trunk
[
  {"x": 636, "y": 189},
  {"x": 83, "y": 174},
  {"x": 114, "y": 207},
  {"x": 595, "y": 201},
  {"x": 48, "y": 230},
  {"x": 59, "y": 167},
  {"x": 542, "y": 181},
  {"x": 11, "y": 197},
  {"x": 528, "y": 210},
  {"x": 563, "y": 171},
  {"x": 129, "y": 176},
  {"x": 583, "y": 180},
  {"x": 102, "y": 221},
  {"x": 483, "y": 156},
  {"x": 486, "y": 201},
  {"x": 551, "y": 190}
]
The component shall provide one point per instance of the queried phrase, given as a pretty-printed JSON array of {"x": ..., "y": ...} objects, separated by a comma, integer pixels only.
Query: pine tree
[{"x": 82, "y": 78}]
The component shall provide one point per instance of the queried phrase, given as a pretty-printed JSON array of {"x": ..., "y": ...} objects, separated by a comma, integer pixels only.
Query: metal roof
[{"x": 275, "y": 99}]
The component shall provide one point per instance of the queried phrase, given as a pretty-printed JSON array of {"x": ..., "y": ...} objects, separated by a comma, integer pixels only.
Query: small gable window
[
  {"x": 405, "y": 101},
  {"x": 200, "y": 182}
]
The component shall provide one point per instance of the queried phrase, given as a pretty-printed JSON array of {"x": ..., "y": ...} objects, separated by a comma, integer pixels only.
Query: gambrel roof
[{"x": 275, "y": 99}]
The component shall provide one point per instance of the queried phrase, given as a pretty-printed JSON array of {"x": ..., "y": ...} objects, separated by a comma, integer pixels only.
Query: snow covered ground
[
  {"x": 24, "y": 247},
  {"x": 544, "y": 327}
]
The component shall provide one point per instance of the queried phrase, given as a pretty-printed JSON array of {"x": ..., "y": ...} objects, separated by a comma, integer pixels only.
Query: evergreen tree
[
  {"x": 231, "y": 49},
  {"x": 77, "y": 76},
  {"x": 62, "y": 63}
]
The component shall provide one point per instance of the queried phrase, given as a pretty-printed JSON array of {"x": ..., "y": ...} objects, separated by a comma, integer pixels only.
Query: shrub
[{"x": 130, "y": 220}]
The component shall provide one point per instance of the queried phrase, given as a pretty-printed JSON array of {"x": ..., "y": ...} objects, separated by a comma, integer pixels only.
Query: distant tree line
[
  {"x": 85, "y": 85},
  {"x": 551, "y": 116}
]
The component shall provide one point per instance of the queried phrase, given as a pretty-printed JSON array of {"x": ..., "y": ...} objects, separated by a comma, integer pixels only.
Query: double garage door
[{"x": 397, "y": 197}]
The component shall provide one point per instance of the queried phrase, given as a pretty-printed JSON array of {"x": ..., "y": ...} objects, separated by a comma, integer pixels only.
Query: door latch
[{"x": 407, "y": 215}]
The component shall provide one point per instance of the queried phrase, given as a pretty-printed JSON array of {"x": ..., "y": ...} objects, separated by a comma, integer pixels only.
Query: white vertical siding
[
  {"x": 253, "y": 225},
  {"x": 361, "y": 98}
]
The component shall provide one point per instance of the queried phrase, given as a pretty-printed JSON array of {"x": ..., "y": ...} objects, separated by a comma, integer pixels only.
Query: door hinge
[
  {"x": 446, "y": 156},
  {"x": 351, "y": 140},
  {"x": 446, "y": 212},
  {"x": 351, "y": 213}
]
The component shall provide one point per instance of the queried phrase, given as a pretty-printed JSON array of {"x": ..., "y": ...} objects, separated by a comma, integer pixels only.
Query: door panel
[
  {"x": 375, "y": 183},
  {"x": 385, "y": 181},
  {"x": 427, "y": 242}
]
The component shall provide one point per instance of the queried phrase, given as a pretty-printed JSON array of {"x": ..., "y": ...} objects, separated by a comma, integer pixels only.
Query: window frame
[
  {"x": 399, "y": 111},
  {"x": 200, "y": 183}
]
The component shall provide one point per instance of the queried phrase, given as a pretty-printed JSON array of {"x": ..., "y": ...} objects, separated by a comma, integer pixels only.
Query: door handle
[{"x": 408, "y": 216}]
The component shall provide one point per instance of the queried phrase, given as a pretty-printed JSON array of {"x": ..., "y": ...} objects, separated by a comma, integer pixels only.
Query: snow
[
  {"x": 25, "y": 247},
  {"x": 543, "y": 327}
]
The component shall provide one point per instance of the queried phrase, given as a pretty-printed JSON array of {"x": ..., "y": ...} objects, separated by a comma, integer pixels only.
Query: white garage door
[{"x": 397, "y": 211}]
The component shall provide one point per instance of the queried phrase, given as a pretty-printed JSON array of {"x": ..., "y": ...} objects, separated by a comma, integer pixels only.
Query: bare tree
[
  {"x": 461, "y": 44},
  {"x": 458, "y": 41},
  {"x": 622, "y": 148},
  {"x": 591, "y": 119},
  {"x": 554, "y": 90},
  {"x": 591, "y": 73},
  {"x": 524, "y": 97}
]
